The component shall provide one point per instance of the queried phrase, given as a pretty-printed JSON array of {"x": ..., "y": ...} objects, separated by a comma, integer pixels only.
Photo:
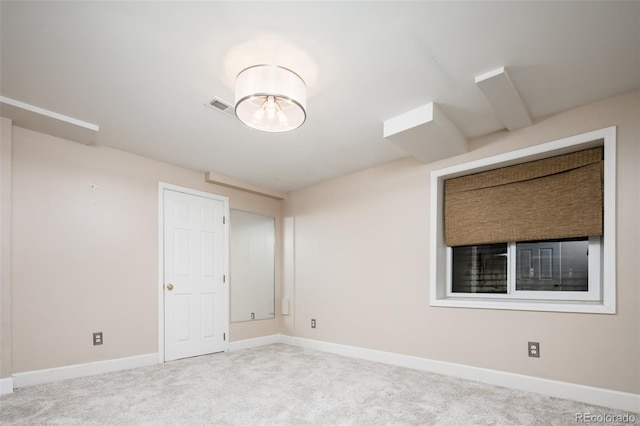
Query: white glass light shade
[{"x": 270, "y": 98}]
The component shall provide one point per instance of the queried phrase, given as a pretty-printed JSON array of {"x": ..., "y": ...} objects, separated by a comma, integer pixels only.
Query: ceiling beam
[
  {"x": 505, "y": 100},
  {"x": 425, "y": 133}
]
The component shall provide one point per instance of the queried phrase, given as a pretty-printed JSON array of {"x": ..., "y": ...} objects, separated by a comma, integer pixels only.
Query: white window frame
[
  {"x": 594, "y": 293},
  {"x": 440, "y": 259}
]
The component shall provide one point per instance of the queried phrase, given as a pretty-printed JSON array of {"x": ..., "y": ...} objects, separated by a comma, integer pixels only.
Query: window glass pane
[
  {"x": 559, "y": 265},
  {"x": 480, "y": 269},
  {"x": 525, "y": 269}
]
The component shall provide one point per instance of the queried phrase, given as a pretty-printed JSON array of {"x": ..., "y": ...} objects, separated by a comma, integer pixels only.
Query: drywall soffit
[
  {"x": 218, "y": 179},
  {"x": 41, "y": 120},
  {"x": 498, "y": 89},
  {"x": 426, "y": 133}
]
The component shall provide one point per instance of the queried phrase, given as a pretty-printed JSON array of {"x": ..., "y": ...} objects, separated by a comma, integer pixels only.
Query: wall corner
[{"x": 5, "y": 250}]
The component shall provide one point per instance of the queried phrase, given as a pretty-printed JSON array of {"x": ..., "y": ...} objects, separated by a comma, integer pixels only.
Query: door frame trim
[{"x": 162, "y": 186}]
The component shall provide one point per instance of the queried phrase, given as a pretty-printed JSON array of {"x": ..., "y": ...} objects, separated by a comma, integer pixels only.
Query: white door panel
[{"x": 194, "y": 262}]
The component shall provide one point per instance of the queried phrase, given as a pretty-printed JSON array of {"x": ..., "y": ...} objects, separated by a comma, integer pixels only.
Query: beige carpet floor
[{"x": 282, "y": 385}]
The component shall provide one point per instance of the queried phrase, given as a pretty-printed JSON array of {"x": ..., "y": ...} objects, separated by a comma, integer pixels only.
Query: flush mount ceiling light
[{"x": 270, "y": 98}]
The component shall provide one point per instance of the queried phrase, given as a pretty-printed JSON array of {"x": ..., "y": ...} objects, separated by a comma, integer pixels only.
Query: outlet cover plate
[{"x": 97, "y": 338}]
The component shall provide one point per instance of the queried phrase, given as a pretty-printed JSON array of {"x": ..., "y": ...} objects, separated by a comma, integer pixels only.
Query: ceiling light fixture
[{"x": 270, "y": 98}]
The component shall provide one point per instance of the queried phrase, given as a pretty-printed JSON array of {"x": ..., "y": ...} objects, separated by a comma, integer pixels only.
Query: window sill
[{"x": 522, "y": 305}]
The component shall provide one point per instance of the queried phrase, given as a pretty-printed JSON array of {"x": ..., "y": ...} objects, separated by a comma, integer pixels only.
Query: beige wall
[
  {"x": 86, "y": 260},
  {"x": 361, "y": 268}
]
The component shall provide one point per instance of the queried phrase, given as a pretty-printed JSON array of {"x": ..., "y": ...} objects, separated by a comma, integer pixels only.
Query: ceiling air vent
[{"x": 222, "y": 106}]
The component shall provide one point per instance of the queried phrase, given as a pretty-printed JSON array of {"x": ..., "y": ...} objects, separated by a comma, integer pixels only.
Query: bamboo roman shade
[{"x": 557, "y": 197}]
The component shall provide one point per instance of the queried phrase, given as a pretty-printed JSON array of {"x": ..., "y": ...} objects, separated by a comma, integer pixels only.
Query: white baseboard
[
  {"x": 588, "y": 394},
  {"x": 6, "y": 386},
  {"x": 49, "y": 375},
  {"x": 260, "y": 341}
]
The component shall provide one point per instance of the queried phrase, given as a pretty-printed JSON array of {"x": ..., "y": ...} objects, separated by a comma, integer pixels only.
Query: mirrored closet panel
[{"x": 252, "y": 266}]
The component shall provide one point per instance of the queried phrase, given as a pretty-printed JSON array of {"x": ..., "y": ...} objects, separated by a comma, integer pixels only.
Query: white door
[{"x": 195, "y": 303}]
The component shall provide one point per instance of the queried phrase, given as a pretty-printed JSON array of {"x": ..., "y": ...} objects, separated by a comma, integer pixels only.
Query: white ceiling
[{"x": 143, "y": 71}]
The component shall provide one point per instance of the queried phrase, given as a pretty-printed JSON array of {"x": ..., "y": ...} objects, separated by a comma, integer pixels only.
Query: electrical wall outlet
[
  {"x": 313, "y": 323},
  {"x": 253, "y": 315},
  {"x": 534, "y": 349},
  {"x": 97, "y": 338}
]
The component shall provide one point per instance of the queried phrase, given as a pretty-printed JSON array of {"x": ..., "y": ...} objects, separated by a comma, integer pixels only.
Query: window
[
  {"x": 567, "y": 269},
  {"x": 528, "y": 251}
]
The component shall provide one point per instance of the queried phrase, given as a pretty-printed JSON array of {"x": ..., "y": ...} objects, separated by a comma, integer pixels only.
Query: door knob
[{"x": 169, "y": 286}]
